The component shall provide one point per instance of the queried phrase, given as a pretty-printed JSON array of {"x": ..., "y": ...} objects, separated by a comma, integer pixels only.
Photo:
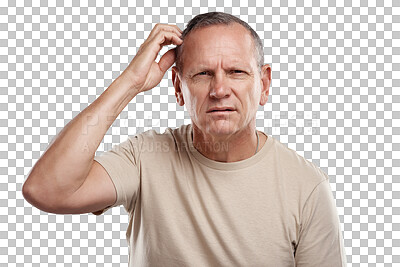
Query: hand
[{"x": 143, "y": 72}]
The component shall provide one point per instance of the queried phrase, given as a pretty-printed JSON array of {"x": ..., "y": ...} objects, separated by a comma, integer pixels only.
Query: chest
[{"x": 215, "y": 220}]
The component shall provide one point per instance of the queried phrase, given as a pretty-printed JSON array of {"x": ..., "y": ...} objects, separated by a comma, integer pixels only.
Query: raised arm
[{"x": 66, "y": 179}]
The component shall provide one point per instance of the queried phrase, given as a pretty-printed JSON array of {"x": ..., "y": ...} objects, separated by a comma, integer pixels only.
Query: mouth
[
  {"x": 221, "y": 113},
  {"x": 221, "y": 110}
]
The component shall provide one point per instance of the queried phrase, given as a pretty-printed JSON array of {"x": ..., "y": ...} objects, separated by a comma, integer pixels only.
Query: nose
[{"x": 219, "y": 86}]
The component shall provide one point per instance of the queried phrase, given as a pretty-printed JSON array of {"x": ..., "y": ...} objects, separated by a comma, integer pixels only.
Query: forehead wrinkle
[
  {"x": 226, "y": 56},
  {"x": 217, "y": 46},
  {"x": 223, "y": 64}
]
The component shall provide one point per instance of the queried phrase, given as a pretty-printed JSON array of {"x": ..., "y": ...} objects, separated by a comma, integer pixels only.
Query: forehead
[{"x": 229, "y": 45}]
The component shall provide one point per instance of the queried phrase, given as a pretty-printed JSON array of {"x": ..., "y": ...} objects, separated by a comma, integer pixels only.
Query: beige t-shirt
[{"x": 272, "y": 209}]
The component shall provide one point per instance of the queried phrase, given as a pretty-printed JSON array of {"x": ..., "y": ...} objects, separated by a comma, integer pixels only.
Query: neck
[{"x": 227, "y": 148}]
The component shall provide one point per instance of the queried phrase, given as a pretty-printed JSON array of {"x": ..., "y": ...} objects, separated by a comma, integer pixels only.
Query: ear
[
  {"x": 177, "y": 85},
  {"x": 265, "y": 83}
]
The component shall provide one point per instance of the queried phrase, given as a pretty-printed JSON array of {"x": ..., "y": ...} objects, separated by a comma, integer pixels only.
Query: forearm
[{"x": 66, "y": 162}]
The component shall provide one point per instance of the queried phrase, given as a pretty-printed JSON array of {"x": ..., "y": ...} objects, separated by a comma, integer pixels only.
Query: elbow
[
  {"x": 28, "y": 192},
  {"x": 36, "y": 198}
]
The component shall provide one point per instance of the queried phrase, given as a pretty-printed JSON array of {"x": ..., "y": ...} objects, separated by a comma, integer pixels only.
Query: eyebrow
[{"x": 235, "y": 66}]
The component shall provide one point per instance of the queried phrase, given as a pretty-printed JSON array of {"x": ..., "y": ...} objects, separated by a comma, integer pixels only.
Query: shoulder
[
  {"x": 296, "y": 166},
  {"x": 298, "y": 176}
]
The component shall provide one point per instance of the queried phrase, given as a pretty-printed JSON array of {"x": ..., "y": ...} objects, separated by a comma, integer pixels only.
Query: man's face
[{"x": 220, "y": 72}]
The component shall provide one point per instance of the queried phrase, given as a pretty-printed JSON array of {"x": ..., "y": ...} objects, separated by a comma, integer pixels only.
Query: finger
[
  {"x": 165, "y": 38},
  {"x": 171, "y": 39},
  {"x": 154, "y": 31},
  {"x": 171, "y": 28},
  {"x": 164, "y": 27},
  {"x": 148, "y": 51},
  {"x": 179, "y": 29},
  {"x": 176, "y": 29},
  {"x": 167, "y": 60}
]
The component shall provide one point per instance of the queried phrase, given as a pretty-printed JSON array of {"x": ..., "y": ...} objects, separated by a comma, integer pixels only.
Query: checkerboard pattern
[{"x": 335, "y": 99}]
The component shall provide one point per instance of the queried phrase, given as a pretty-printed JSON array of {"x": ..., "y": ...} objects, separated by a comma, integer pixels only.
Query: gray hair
[{"x": 219, "y": 18}]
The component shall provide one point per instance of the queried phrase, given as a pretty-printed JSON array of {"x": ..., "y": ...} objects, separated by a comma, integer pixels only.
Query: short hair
[{"x": 219, "y": 18}]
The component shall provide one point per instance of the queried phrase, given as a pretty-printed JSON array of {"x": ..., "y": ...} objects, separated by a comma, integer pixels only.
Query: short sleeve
[
  {"x": 320, "y": 240},
  {"x": 122, "y": 164}
]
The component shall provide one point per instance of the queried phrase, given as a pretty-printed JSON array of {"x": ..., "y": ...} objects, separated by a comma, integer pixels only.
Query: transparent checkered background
[{"x": 335, "y": 99}]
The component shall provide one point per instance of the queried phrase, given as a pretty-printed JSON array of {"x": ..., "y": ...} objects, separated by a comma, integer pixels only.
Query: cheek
[
  {"x": 193, "y": 104},
  {"x": 198, "y": 98},
  {"x": 256, "y": 94},
  {"x": 250, "y": 100}
]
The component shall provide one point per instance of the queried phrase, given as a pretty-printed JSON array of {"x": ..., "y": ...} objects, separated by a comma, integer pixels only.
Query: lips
[{"x": 221, "y": 109}]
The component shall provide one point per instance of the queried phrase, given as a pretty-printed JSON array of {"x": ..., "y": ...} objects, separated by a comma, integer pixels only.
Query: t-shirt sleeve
[
  {"x": 320, "y": 239},
  {"x": 122, "y": 164}
]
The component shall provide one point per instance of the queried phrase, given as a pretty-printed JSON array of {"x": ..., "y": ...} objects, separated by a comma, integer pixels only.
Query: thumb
[{"x": 167, "y": 60}]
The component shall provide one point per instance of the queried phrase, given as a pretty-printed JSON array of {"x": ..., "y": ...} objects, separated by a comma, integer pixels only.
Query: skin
[
  {"x": 87, "y": 187},
  {"x": 220, "y": 70},
  {"x": 143, "y": 72}
]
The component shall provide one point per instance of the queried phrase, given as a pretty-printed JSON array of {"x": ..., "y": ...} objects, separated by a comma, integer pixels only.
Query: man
[{"x": 216, "y": 192}]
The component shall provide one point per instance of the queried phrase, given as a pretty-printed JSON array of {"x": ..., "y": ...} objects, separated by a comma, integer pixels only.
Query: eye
[
  {"x": 202, "y": 73},
  {"x": 237, "y": 71}
]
